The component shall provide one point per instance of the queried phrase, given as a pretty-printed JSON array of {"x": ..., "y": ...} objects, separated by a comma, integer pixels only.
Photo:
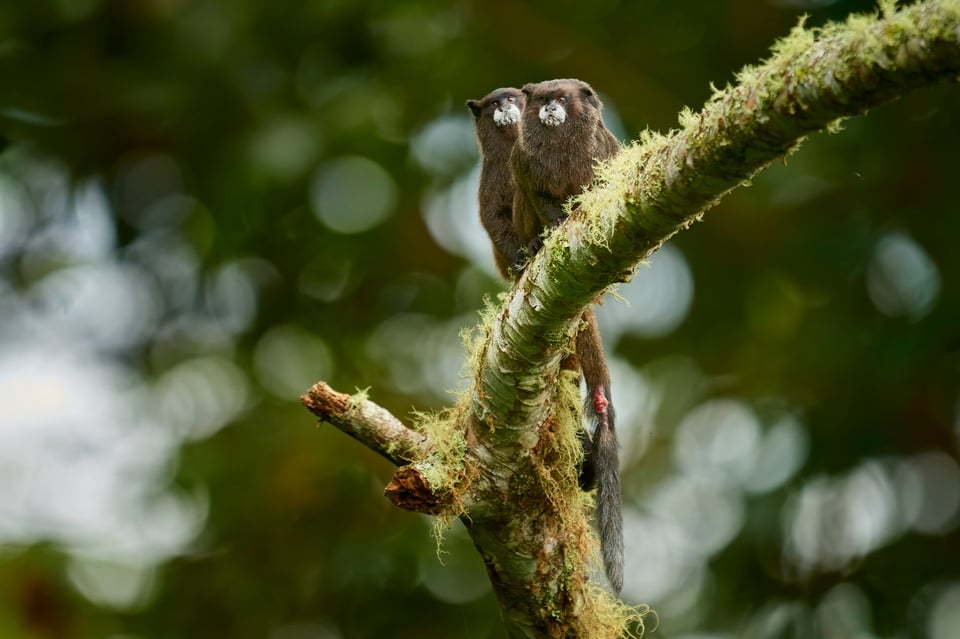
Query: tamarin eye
[{"x": 561, "y": 99}]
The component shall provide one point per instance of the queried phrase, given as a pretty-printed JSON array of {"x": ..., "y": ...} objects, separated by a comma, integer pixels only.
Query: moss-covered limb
[
  {"x": 370, "y": 424},
  {"x": 545, "y": 594},
  {"x": 520, "y": 506},
  {"x": 531, "y": 523},
  {"x": 813, "y": 78},
  {"x": 664, "y": 183},
  {"x": 535, "y": 560},
  {"x": 648, "y": 192}
]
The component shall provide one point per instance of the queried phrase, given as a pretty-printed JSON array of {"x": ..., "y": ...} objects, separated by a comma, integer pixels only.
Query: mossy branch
[
  {"x": 517, "y": 495},
  {"x": 665, "y": 183},
  {"x": 372, "y": 425}
]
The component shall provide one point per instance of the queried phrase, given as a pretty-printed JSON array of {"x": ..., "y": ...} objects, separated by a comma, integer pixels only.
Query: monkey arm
[
  {"x": 542, "y": 211},
  {"x": 549, "y": 208},
  {"x": 505, "y": 240}
]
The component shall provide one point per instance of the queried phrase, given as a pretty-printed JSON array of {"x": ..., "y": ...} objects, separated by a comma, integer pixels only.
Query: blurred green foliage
[{"x": 279, "y": 187}]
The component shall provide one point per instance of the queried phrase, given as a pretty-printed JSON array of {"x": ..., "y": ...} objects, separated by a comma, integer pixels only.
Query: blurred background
[{"x": 207, "y": 206}]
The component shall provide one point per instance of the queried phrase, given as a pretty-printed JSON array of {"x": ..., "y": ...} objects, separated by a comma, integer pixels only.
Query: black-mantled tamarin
[
  {"x": 562, "y": 137},
  {"x": 497, "y": 118}
]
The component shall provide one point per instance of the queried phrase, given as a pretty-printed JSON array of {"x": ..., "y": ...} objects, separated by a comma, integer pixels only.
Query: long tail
[
  {"x": 604, "y": 456},
  {"x": 609, "y": 515}
]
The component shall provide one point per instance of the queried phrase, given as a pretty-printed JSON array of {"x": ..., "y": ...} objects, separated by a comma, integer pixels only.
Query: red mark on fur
[{"x": 600, "y": 402}]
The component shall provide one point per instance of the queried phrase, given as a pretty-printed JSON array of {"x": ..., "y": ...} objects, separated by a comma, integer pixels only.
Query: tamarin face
[
  {"x": 553, "y": 112},
  {"x": 503, "y": 106},
  {"x": 508, "y": 111},
  {"x": 555, "y": 101}
]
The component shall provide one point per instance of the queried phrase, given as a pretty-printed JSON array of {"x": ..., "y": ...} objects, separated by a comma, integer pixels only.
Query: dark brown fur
[
  {"x": 551, "y": 164},
  {"x": 497, "y": 188}
]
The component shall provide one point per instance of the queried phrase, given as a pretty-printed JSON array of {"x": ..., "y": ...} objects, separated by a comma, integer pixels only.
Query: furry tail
[
  {"x": 601, "y": 462},
  {"x": 609, "y": 516}
]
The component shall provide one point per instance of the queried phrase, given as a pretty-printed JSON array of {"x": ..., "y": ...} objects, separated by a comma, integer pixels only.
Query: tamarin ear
[
  {"x": 591, "y": 97},
  {"x": 475, "y": 107}
]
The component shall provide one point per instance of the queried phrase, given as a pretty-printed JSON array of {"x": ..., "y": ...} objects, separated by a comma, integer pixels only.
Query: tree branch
[
  {"x": 519, "y": 494},
  {"x": 652, "y": 190},
  {"x": 371, "y": 425}
]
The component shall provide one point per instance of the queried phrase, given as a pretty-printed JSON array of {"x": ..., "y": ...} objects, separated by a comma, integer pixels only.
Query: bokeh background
[{"x": 207, "y": 206}]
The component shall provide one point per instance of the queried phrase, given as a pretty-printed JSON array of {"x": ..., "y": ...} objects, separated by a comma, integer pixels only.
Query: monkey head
[
  {"x": 503, "y": 106},
  {"x": 553, "y": 102}
]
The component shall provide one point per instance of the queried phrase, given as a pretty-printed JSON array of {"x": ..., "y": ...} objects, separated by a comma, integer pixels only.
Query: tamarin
[
  {"x": 497, "y": 118},
  {"x": 562, "y": 136}
]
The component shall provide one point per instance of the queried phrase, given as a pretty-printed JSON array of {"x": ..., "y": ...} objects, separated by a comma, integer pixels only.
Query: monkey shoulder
[{"x": 606, "y": 143}]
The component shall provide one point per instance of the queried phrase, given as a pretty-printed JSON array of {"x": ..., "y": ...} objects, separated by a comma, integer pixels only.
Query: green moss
[
  {"x": 561, "y": 452},
  {"x": 797, "y": 42},
  {"x": 836, "y": 126},
  {"x": 688, "y": 118},
  {"x": 445, "y": 461},
  {"x": 362, "y": 395},
  {"x": 887, "y": 8},
  {"x": 476, "y": 339}
]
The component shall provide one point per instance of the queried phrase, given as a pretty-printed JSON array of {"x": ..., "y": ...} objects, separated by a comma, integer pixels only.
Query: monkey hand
[{"x": 534, "y": 246}]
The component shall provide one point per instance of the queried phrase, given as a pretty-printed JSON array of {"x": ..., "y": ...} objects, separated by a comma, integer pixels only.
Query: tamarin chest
[{"x": 561, "y": 172}]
